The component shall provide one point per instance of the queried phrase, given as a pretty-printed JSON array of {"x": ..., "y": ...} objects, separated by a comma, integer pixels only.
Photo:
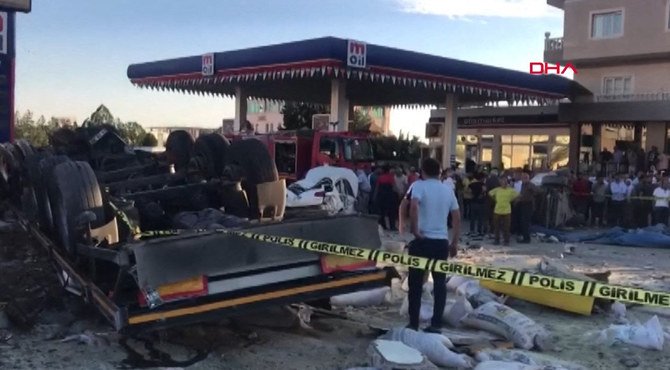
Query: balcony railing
[
  {"x": 654, "y": 96},
  {"x": 553, "y": 44}
]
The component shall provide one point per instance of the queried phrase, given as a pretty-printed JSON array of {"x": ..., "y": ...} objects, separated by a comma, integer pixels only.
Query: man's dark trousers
[
  {"x": 428, "y": 248},
  {"x": 525, "y": 212}
]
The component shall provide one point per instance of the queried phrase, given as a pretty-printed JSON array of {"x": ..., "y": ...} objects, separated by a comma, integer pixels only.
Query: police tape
[
  {"x": 625, "y": 197},
  {"x": 501, "y": 275}
]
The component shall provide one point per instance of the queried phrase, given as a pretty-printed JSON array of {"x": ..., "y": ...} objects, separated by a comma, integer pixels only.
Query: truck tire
[
  {"x": 44, "y": 172},
  {"x": 212, "y": 148},
  {"x": 74, "y": 189},
  {"x": 179, "y": 149},
  {"x": 250, "y": 162},
  {"x": 24, "y": 148}
]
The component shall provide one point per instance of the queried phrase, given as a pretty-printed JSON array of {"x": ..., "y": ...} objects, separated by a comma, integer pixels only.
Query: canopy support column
[
  {"x": 450, "y": 131},
  {"x": 240, "y": 109},
  {"x": 339, "y": 105},
  {"x": 575, "y": 146}
]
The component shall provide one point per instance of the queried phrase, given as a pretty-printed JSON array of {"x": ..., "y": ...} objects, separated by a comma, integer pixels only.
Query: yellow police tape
[{"x": 501, "y": 275}]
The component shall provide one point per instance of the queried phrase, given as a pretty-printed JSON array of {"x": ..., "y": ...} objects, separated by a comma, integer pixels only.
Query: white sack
[
  {"x": 501, "y": 365},
  {"x": 456, "y": 281},
  {"x": 502, "y": 320},
  {"x": 648, "y": 336},
  {"x": 434, "y": 346},
  {"x": 525, "y": 357},
  {"x": 374, "y": 297},
  {"x": 455, "y": 313}
]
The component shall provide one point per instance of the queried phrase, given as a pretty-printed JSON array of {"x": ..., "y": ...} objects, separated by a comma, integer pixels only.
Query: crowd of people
[{"x": 499, "y": 204}]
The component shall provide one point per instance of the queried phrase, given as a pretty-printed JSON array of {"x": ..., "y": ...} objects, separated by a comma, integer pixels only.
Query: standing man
[
  {"x": 478, "y": 216},
  {"x": 619, "y": 191},
  {"x": 662, "y": 193},
  {"x": 432, "y": 203},
  {"x": 515, "y": 228},
  {"x": 599, "y": 193},
  {"x": 525, "y": 203},
  {"x": 491, "y": 183},
  {"x": 502, "y": 211},
  {"x": 643, "y": 207},
  {"x": 364, "y": 190}
]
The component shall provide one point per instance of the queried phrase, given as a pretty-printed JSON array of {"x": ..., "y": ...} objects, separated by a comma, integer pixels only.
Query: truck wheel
[
  {"x": 212, "y": 149},
  {"x": 74, "y": 189},
  {"x": 250, "y": 162},
  {"x": 179, "y": 148},
  {"x": 24, "y": 148},
  {"x": 42, "y": 174}
]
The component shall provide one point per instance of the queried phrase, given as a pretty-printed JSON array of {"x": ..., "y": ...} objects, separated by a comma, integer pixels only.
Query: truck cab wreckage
[{"x": 89, "y": 200}]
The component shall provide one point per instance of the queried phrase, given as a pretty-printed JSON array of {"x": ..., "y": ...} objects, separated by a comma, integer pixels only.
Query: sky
[{"x": 72, "y": 55}]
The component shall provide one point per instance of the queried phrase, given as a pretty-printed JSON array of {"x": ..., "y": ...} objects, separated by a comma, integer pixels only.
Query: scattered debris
[
  {"x": 87, "y": 337},
  {"x": 387, "y": 354},
  {"x": 524, "y": 357},
  {"x": 436, "y": 347},
  {"x": 618, "y": 311},
  {"x": 648, "y": 336},
  {"x": 502, "y": 365}
]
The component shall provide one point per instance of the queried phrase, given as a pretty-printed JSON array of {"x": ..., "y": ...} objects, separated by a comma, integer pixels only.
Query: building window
[
  {"x": 607, "y": 25},
  {"x": 617, "y": 85}
]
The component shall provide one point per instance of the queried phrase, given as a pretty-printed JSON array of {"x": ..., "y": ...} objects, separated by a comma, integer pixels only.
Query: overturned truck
[{"x": 143, "y": 237}]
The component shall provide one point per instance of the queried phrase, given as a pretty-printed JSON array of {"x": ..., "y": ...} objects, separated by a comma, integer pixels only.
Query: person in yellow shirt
[{"x": 502, "y": 212}]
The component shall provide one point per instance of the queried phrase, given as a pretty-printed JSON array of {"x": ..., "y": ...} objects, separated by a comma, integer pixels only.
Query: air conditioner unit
[{"x": 321, "y": 122}]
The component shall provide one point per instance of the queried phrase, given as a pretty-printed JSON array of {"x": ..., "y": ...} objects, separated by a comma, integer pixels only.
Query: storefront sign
[
  {"x": 356, "y": 54},
  {"x": 208, "y": 64},
  {"x": 497, "y": 120}
]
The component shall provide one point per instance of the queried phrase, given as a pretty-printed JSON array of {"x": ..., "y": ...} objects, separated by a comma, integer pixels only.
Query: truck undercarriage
[{"x": 89, "y": 213}]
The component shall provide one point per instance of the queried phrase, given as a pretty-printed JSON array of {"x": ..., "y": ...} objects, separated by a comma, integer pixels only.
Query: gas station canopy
[{"x": 303, "y": 71}]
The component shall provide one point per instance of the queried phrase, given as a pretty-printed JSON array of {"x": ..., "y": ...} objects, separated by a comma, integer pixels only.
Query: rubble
[{"x": 391, "y": 355}]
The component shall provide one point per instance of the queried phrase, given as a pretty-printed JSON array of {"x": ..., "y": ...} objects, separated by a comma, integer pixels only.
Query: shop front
[{"x": 514, "y": 137}]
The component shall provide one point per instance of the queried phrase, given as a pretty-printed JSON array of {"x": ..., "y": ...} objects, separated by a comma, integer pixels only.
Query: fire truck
[{"x": 296, "y": 152}]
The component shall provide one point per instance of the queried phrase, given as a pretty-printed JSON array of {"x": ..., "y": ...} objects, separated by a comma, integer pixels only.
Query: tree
[
  {"x": 361, "y": 121},
  {"x": 299, "y": 115},
  {"x": 149, "y": 140},
  {"x": 36, "y": 133},
  {"x": 101, "y": 116},
  {"x": 132, "y": 132}
]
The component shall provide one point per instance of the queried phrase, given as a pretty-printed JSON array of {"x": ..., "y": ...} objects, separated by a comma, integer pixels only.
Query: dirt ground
[{"x": 69, "y": 335}]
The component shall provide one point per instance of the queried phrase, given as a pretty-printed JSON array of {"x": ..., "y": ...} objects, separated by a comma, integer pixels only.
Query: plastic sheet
[{"x": 651, "y": 237}]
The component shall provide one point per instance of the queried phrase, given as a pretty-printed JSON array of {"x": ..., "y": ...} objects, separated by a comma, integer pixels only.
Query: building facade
[{"x": 621, "y": 50}]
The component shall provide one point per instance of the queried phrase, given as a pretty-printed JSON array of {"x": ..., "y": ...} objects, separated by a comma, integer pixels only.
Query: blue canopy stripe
[{"x": 270, "y": 71}]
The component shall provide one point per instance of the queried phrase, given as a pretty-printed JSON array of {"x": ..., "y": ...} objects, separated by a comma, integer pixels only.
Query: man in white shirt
[
  {"x": 661, "y": 205},
  {"x": 432, "y": 203},
  {"x": 619, "y": 192}
]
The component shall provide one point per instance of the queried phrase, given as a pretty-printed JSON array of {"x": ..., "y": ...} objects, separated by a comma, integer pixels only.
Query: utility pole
[{"x": 8, "y": 9}]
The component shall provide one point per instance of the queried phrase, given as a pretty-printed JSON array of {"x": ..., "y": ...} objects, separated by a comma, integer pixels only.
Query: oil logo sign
[
  {"x": 356, "y": 54},
  {"x": 208, "y": 64}
]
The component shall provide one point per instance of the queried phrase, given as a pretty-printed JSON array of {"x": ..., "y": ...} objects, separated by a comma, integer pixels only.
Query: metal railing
[
  {"x": 553, "y": 44},
  {"x": 652, "y": 96}
]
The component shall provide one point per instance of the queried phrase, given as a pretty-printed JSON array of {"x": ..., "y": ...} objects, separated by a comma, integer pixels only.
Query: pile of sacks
[{"x": 479, "y": 308}]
